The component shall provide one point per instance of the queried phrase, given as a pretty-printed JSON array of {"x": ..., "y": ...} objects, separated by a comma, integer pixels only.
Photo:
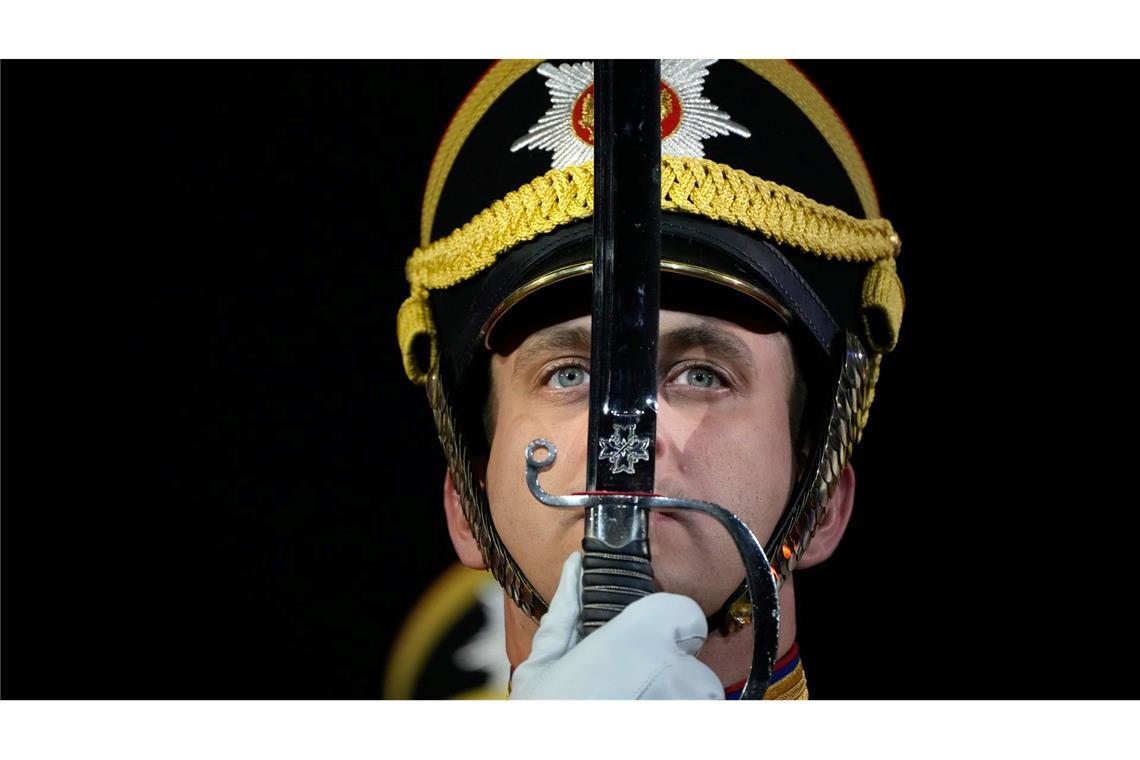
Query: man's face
[{"x": 723, "y": 435}]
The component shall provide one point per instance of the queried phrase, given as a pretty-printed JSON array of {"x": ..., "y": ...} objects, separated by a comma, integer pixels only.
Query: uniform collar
[{"x": 787, "y": 682}]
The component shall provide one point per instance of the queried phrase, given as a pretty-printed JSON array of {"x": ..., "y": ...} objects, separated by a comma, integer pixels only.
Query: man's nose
[{"x": 665, "y": 440}]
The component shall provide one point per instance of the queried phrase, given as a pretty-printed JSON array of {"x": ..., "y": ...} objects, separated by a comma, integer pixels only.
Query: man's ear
[
  {"x": 457, "y": 527},
  {"x": 835, "y": 519}
]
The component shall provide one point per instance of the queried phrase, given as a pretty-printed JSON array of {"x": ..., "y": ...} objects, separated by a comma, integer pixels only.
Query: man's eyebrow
[
  {"x": 566, "y": 338},
  {"x": 713, "y": 339},
  {"x": 577, "y": 338}
]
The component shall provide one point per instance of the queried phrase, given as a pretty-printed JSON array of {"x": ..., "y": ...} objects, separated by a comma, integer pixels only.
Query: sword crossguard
[{"x": 762, "y": 587}]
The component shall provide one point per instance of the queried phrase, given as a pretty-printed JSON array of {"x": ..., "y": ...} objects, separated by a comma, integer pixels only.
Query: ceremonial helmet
[{"x": 763, "y": 193}]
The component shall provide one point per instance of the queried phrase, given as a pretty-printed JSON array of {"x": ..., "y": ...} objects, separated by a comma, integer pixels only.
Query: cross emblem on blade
[{"x": 624, "y": 449}]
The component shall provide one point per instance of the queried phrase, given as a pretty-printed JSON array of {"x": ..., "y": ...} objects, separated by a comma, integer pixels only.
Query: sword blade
[
  {"x": 616, "y": 566},
  {"x": 627, "y": 256}
]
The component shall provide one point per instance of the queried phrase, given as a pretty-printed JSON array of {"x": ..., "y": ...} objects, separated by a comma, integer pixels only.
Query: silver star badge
[{"x": 688, "y": 118}]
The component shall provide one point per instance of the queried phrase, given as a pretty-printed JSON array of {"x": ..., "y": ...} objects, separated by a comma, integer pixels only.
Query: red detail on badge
[
  {"x": 582, "y": 114},
  {"x": 670, "y": 111}
]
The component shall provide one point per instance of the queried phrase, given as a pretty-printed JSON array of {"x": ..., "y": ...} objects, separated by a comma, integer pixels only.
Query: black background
[{"x": 218, "y": 483}]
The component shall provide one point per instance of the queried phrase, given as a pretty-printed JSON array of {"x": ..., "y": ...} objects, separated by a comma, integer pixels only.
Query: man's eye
[
  {"x": 568, "y": 377},
  {"x": 699, "y": 377}
]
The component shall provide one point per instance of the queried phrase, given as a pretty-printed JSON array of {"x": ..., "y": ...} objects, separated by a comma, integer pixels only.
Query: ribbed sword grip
[{"x": 612, "y": 579}]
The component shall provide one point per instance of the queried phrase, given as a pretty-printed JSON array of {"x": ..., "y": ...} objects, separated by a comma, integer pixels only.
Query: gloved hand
[{"x": 646, "y": 652}]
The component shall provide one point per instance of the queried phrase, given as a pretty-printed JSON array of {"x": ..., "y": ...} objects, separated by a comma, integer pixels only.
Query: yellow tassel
[
  {"x": 883, "y": 302},
  {"x": 413, "y": 323}
]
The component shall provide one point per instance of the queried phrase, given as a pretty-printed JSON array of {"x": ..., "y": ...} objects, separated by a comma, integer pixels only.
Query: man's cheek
[
  {"x": 567, "y": 433},
  {"x": 743, "y": 468},
  {"x": 513, "y": 432},
  {"x": 513, "y": 507}
]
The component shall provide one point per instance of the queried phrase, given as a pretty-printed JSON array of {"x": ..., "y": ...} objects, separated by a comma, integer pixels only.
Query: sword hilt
[
  {"x": 612, "y": 579},
  {"x": 761, "y": 579}
]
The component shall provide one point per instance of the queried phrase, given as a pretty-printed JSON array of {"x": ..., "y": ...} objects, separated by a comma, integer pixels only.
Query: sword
[
  {"x": 616, "y": 568},
  {"x": 623, "y": 361}
]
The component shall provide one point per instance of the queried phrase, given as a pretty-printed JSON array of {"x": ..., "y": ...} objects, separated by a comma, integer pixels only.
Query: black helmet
[{"x": 763, "y": 191}]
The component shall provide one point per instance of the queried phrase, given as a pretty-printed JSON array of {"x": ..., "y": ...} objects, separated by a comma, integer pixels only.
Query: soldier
[{"x": 779, "y": 298}]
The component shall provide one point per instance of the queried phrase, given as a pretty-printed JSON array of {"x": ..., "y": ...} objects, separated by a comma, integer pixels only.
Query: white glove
[{"x": 646, "y": 652}]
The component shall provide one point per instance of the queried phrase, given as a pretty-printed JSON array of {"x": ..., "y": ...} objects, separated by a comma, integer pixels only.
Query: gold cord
[
  {"x": 486, "y": 91},
  {"x": 688, "y": 185},
  {"x": 789, "y": 80}
]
